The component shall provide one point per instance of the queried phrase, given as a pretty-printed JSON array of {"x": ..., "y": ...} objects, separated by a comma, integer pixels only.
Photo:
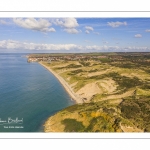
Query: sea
[{"x": 29, "y": 94}]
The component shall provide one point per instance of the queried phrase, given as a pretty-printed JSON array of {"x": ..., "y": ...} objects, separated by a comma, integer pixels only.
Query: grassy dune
[{"x": 116, "y": 97}]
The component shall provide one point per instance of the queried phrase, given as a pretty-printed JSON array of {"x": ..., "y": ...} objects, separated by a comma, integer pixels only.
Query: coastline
[
  {"x": 73, "y": 95},
  {"x": 95, "y": 83}
]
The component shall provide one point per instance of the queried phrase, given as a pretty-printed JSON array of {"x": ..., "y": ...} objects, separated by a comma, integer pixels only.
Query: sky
[{"x": 37, "y": 35}]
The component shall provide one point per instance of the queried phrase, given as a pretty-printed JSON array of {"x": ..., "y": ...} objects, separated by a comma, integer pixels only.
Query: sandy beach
[{"x": 65, "y": 85}]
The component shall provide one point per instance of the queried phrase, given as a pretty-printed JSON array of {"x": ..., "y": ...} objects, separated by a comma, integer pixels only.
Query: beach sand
[{"x": 65, "y": 85}]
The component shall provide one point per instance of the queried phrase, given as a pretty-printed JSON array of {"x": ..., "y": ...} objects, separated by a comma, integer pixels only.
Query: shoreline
[{"x": 67, "y": 87}]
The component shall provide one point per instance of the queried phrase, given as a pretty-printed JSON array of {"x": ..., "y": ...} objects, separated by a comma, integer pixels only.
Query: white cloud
[
  {"x": 87, "y": 31},
  {"x": 138, "y": 36},
  {"x": 51, "y": 30},
  {"x": 42, "y": 25},
  {"x": 89, "y": 28},
  {"x": 10, "y": 44},
  {"x": 67, "y": 22},
  {"x": 116, "y": 24},
  {"x": 147, "y": 30},
  {"x": 71, "y": 30},
  {"x": 96, "y": 33},
  {"x": 3, "y": 22}
]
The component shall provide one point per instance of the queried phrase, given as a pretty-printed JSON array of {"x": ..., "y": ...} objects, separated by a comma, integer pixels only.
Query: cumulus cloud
[
  {"x": 138, "y": 36},
  {"x": 89, "y": 28},
  {"x": 87, "y": 31},
  {"x": 11, "y": 44},
  {"x": 71, "y": 30},
  {"x": 116, "y": 24},
  {"x": 147, "y": 30},
  {"x": 42, "y": 25},
  {"x": 67, "y": 22},
  {"x": 51, "y": 30}
]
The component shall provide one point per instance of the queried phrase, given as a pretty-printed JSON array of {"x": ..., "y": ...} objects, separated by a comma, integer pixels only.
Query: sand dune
[{"x": 89, "y": 90}]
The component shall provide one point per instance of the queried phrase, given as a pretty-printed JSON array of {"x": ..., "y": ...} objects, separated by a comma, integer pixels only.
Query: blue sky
[{"x": 74, "y": 35}]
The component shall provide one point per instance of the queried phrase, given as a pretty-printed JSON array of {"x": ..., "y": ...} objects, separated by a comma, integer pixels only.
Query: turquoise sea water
[{"x": 29, "y": 93}]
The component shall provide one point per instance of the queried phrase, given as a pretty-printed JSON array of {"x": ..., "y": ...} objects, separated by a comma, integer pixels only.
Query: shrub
[{"x": 72, "y": 125}]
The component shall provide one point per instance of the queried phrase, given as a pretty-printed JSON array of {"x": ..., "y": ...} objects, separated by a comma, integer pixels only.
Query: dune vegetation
[{"x": 115, "y": 92}]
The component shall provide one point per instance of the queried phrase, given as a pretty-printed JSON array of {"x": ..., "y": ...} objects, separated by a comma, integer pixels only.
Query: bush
[
  {"x": 72, "y": 125},
  {"x": 100, "y": 124},
  {"x": 85, "y": 63},
  {"x": 130, "y": 110},
  {"x": 137, "y": 111},
  {"x": 93, "y": 70},
  {"x": 75, "y": 72},
  {"x": 73, "y": 66}
]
